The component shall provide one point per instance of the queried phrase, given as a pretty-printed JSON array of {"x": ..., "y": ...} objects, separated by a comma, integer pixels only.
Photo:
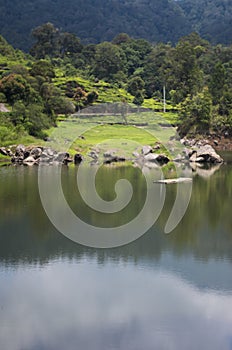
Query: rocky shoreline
[{"x": 198, "y": 152}]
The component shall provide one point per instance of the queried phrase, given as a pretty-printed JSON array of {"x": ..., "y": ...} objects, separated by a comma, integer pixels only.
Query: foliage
[
  {"x": 195, "y": 113},
  {"x": 139, "y": 98},
  {"x": 14, "y": 87},
  {"x": 43, "y": 69},
  {"x": 72, "y": 75},
  {"x": 212, "y": 19},
  {"x": 109, "y": 60},
  {"x": 93, "y": 21},
  {"x": 135, "y": 85}
]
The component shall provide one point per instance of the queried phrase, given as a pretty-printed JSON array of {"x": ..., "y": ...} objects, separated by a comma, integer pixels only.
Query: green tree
[
  {"x": 187, "y": 77},
  {"x": 139, "y": 98},
  {"x": 158, "y": 70},
  {"x": 109, "y": 60},
  {"x": 69, "y": 44},
  {"x": 15, "y": 88},
  {"x": 217, "y": 82},
  {"x": 31, "y": 117},
  {"x": 47, "y": 41},
  {"x": 225, "y": 103},
  {"x": 43, "y": 69},
  {"x": 135, "y": 85},
  {"x": 195, "y": 113}
]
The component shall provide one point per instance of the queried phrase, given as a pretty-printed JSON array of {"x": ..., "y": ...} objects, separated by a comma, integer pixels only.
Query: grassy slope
[
  {"x": 107, "y": 93},
  {"x": 82, "y": 134}
]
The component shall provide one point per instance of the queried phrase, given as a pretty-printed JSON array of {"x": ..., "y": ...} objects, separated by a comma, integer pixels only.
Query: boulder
[
  {"x": 29, "y": 160},
  {"x": 136, "y": 154},
  {"x": 158, "y": 158},
  {"x": 3, "y": 151},
  {"x": 26, "y": 153},
  {"x": 109, "y": 154},
  {"x": 36, "y": 152},
  {"x": 20, "y": 149},
  {"x": 114, "y": 159},
  {"x": 151, "y": 157},
  {"x": 61, "y": 157},
  {"x": 146, "y": 150},
  {"x": 156, "y": 147},
  {"x": 93, "y": 154},
  {"x": 48, "y": 152},
  {"x": 78, "y": 158},
  {"x": 44, "y": 158},
  {"x": 180, "y": 158},
  {"x": 193, "y": 157},
  {"x": 207, "y": 154},
  {"x": 111, "y": 157}
]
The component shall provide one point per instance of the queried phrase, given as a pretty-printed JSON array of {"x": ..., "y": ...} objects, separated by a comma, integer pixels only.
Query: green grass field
[{"x": 83, "y": 133}]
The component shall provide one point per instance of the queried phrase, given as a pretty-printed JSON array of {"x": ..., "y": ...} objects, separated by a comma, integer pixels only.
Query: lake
[{"x": 162, "y": 291}]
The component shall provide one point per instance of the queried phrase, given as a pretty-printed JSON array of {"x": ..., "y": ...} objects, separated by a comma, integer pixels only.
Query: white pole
[{"x": 164, "y": 98}]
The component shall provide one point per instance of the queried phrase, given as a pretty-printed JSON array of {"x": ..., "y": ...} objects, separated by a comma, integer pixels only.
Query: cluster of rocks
[
  {"x": 150, "y": 156},
  {"x": 35, "y": 155},
  {"x": 193, "y": 152},
  {"x": 146, "y": 155},
  {"x": 201, "y": 152}
]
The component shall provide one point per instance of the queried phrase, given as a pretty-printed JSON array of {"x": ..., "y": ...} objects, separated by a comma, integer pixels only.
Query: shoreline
[{"x": 195, "y": 151}]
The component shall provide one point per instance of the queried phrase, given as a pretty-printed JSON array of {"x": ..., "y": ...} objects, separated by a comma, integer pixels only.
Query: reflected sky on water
[{"x": 159, "y": 292}]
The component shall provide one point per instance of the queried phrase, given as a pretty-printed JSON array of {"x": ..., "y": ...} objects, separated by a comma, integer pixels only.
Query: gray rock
[
  {"x": 193, "y": 157},
  {"x": 26, "y": 153},
  {"x": 174, "y": 181},
  {"x": 10, "y": 153},
  {"x": 156, "y": 147},
  {"x": 20, "y": 149},
  {"x": 207, "y": 154},
  {"x": 109, "y": 154},
  {"x": 29, "y": 160},
  {"x": 200, "y": 160},
  {"x": 111, "y": 157},
  {"x": 146, "y": 150},
  {"x": 159, "y": 158},
  {"x": 61, "y": 157},
  {"x": 114, "y": 159},
  {"x": 136, "y": 154},
  {"x": 3, "y": 151},
  {"x": 36, "y": 152},
  {"x": 151, "y": 157},
  {"x": 78, "y": 158},
  {"x": 44, "y": 159},
  {"x": 93, "y": 154},
  {"x": 48, "y": 152},
  {"x": 180, "y": 158}
]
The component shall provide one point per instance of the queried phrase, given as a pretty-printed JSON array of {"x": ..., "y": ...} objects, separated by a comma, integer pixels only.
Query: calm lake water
[{"x": 164, "y": 292}]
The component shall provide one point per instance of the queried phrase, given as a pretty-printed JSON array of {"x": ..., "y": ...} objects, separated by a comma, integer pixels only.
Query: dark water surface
[{"x": 164, "y": 292}]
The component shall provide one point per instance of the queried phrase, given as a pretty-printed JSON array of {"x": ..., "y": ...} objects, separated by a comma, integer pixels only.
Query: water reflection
[
  {"x": 116, "y": 306},
  {"x": 160, "y": 292}
]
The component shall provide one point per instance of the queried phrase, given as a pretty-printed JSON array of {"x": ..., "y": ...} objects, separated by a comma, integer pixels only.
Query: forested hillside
[
  {"x": 95, "y": 21},
  {"x": 211, "y": 18},
  {"x": 64, "y": 75}
]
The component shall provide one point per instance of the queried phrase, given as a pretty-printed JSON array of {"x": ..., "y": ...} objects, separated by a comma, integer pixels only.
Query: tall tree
[
  {"x": 47, "y": 41},
  {"x": 109, "y": 60}
]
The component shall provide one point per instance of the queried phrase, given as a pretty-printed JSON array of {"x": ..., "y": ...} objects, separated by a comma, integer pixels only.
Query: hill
[
  {"x": 212, "y": 19},
  {"x": 94, "y": 20}
]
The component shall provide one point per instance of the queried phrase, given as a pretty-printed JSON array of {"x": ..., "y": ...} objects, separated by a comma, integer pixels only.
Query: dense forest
[
  {"x": 212, "y": 19},
  {"x": 95, "y": 21},
  {"x": 62, "y": 75}
]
